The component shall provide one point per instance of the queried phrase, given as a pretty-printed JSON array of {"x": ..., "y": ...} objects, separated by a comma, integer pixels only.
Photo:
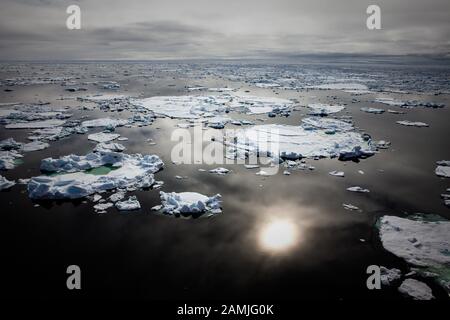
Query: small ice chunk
[
  {"x": 103, "y": 136},
  {"x": 373, "y": 110},
  {"x": 109, "y": 146},
  {"x": 104, "y": 122},
  {"x": 320, "y": 109},
  {"x": 416, "y": 290},
  {"x": 443, "y": 168},
  {"x": 35, "y": 146},
  {"x": 189, "y": 203},
  {"x": 220, "y": 171},
  {"x": 131, "y": 204},
  {"x": 36, "y": 124},
  {"x": 337, "y": 173},
  {"x": 412, "y": 123},
  {"x": 10, "y": 144},
  {"x": 389, "y": 275},
  {"x": 358, "y": 189},
  {"x": 348, "y": 206},
  {"x": 5, "y": 183},
  {"x": 117, "y": 196},
  {"x": 103, "y": 206}
]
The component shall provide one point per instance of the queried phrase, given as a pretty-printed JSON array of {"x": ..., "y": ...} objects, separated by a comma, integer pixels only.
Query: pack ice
[
  {"x": 443, "y": 168},
  {"x": 127, "y": 171},
  {"x": 320, "y": 109},
  {"x": 422, "y": 243}
]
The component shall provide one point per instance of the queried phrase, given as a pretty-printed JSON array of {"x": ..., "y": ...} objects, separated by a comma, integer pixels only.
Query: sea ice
[
  {"x": 109, "y": 146},
  {"x": 358, "y": 189},
  {"x": 5, "y": 183},
  {"x": 373, "y": 110},
  {"x": 103, "y": 136},
  {"x": 104, "y": 122},
  {"x": 389, "y": 275},
  {"x": 443, "y": 169},
  {"x": 320, "y": 109},
  {"x": 35, "y": 146},
  {"x": 351, "y": 207},
  {"x": 189, "y": 203},
  {"x": 219, "y": 171},
  {"x": 36, "y": 124},
  {"x": 337, "y": 173},
  {"x": 10, "y": 144},
  {"x": 412, "y": 123},
  {"x": 8, "y": 159},
  {"x": 420, "y": 242},
  {"x": 331, "y": 126},
  {"x": 294, "y": 142},
  {"x": 128, "y": 171},
  {"x": 416, "y": 289},
  {"x": 131, "y": 204}
]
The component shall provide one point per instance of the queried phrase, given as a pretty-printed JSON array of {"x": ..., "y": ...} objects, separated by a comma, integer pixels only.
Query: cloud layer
[{"x": 171, "y": 29}]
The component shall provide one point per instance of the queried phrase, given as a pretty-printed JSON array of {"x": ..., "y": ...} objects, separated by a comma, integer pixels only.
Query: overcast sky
[{"x": 166, "y": 29}]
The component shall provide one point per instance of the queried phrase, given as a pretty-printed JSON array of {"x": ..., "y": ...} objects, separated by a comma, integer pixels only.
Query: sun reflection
[{"x": 278, "y": 235}]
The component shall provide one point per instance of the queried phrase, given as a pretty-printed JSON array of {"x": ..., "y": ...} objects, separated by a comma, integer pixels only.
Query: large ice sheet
[
  {"x": 134, "y": 171},
  {"x": 420, "y": 242}
]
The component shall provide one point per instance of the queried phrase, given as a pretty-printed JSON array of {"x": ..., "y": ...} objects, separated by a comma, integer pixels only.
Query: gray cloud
[{"x": 156, "y": 29}]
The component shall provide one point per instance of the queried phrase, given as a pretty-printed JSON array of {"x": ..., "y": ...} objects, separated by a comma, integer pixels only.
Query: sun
[{"x": 278, "y": 235}]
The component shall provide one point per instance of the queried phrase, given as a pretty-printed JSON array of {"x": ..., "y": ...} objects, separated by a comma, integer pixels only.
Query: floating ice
[
  {"x": 219, "y": 171},
  {"x": 337, "y": 173},
  {"x": 5, "y": 183},
  {"x": 130, "y": 171},
  {"x": 8, "y": 159},
  {"x": 103, "y": 136},
  {"x": 193, "y": 107},
  {"x": 412, "y": 123},
  {"x": 189, "y": 203},
  {"x": 104, "y": 122},
  {"x": 409, "y": 104},
  {"x": 358, "y": 189},
  {"x": 421, "y": 241},
  {"x": 416, "y": 290},
  {"x": 102, "y": 207},
  {"x": 351, "y": 207},
  {"x": 340, "y": 86},
  {"x": 117, "y": 196},
  {"x": 320, "y": 109},
  {"x": 109, "y": 146},
  {"x": 131, "y": 204},
  {"x": 35, "y": 146},
  {"x": 293, "y": 142},
  {"x": 329, "y": 125},
  {"x": 10, "y": 144},
  {"x": 36, "y": 124},
  {"x": 443, "y": 169},
  {"x": 389, "y": 275},
  {"x": 373, "y": 110}
]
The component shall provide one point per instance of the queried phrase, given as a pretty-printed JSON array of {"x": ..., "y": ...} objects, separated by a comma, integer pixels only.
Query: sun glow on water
[{"x": 278, "y": 235}]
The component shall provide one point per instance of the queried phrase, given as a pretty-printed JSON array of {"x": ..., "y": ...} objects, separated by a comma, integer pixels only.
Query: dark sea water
[{"x": 142, "y": 254}]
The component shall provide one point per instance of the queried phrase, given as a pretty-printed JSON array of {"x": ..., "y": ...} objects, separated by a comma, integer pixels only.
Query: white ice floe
[
  {"x": 103, "y": 136},
  {"x": 416, "y": 289},
  {"x": 102, "y": 207},
  {"x": 36, "y": 124},
  {"x": 220, "y": 171},
  {"x": 329, "y": 125},
  {"x": 117, "y": 196},
  {"x": 10, "y": 144},
  {"x": 409, "y": 103},
  {"x": 347, "y": 86},
  {"x": 320, "y": 109},
  {"x": 104, "y": 122},
  {"x": 351, "y": 207},
  {"x": 193, "y": 107},
  {"x": 443, "y": 168},
  {"x": 131, "y": 204},
  {"x": 373, "y": 110},
  {"x": 412, "y": 123},
  {"x": 294, "y": 142},
  {"x": 189, "y": 203},
  {"x": 124, "y": 171},
  {"x": 109, "y": 146},
  {"x": 358, "y": 189},
  {"x": 8, "y": 159},
  {"x": 421, "y": 241},
  {"x": 35, "y": 146},
  {"x": 337, "y": 173},
  {"x": 388, "y": 276},
  {"x": 5, "y": 183}
]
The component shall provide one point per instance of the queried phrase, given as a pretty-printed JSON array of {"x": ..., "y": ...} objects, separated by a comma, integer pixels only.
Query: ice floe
[
  {"x": 188, "y": 203},
  {"x": 104, "y": 122},
  {"x": 320, "y": 109},
  {"x": 5, "y": 183},
  {"x": 109, "y": 146},
  {"x": 125, "y": 171},
  {"x": 337, "y": 173},
  {"x": 219, "y": 171},
  {"x": 103, "y": 136},
  {"x": 423, "y": 242},
  {"x": 388, "y": 276},
  {"x": 412, "y": 123},
  {"x": 443, "y": 168},
  {"x": 416, "y": 289},
  {"x": 358, "y": 189},
  {"x": 36, "y": 124},
  {"x": 329, "y": 125},
  {"x": 373, "y": 110},
  {"x": 131, "y": 204}
]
